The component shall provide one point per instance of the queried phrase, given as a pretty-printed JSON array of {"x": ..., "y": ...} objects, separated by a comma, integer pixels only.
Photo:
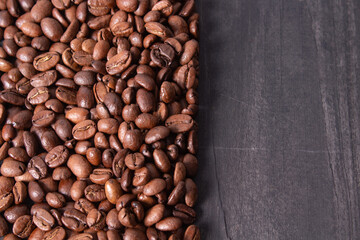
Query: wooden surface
[{"x": 279, "y": 120}]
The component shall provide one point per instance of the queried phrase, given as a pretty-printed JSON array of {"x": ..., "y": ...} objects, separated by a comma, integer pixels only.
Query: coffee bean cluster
[{"x": 97, "y": 105}]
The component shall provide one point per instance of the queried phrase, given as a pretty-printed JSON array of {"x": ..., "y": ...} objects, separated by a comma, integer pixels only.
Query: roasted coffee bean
[
  {"x": 44, "y": 79},
  {"x": 112, "y": 190},
  {"x": 192, "y": 233},
  {"x": 169, "y": 224},
  {"x": 55, "y": 199},
  {"x": 35, "y": 192},
  {"x": 145, "y": 100},
  {"x": 79, "y": 166},
  {"x": 154, "y": 215},
  {"x": 43, "y": 220},
  {"x": 82, "y": 58},
  {"x": 74, "y": 219},
  {"x": 14, "y": 212},
  {"x": 96, "y": 219},
  {"x": 85, "y": 78},
  {"x": 108, "y": 125},
  {"x": 11, "y": 97},
  {"x": 179, "y": 123},
  {"x": 23, "y": 226},
  {"x": 12, "y": 168},
  {"x": 46, "y": 61},
  {"x": 100, "y": 175},
  {"x": 43, "y": 118},
  {"x": 66, "y": 95},
  {"x": 21, "y": 120},
  {"x": 77, "y": 189},
  {"x": 6, "y": 201},
  {"x": 37, "y": 168},
  {"x": 63, "y": 128},
  {"x": 38, "y": 95},
  {"x": 57, "y": 156},
  {"x": 155, "y": 186},
  {"x": 70, "y": 31},
  {"x": 118, "y": 63},
  {"x": 84, "y": 130},
  {"x": 20, "y": 192},
  {"x": 95, "y": 193}
]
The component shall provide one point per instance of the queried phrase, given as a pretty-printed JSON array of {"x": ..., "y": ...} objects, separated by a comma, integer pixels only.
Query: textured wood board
[{"x": 279, "y": 119}]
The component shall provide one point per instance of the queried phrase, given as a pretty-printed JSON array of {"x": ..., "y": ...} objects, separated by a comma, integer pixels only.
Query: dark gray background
[{"x": 279, "y": 120}]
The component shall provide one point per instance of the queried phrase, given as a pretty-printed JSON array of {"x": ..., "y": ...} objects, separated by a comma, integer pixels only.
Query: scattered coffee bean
[{"x": 98, "y": 137}]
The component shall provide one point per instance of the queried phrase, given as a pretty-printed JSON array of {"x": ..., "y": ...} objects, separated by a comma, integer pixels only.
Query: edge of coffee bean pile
[{"x": 97, "y": 106}]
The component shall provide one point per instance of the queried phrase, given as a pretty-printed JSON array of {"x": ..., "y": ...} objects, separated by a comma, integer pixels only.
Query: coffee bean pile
[{"x": 97, "y": 106}]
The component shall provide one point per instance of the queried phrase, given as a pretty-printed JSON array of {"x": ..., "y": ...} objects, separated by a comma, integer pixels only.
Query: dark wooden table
[{"x": 279, "y": 120}]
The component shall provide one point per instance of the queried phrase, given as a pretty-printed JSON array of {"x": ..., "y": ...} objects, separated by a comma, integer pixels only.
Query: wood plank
[{"x": 279, "y": 120}]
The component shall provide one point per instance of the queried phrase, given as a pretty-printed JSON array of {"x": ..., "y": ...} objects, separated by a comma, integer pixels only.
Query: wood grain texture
[{"x": 279, "y": 119}]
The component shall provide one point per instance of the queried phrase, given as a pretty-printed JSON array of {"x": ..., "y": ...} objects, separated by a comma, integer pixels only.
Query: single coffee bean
[
  {"x": 192, "y": 233},
  {"x": 23, "y": 226},
  {"x": 179, "y": 123},
  {"x": 44, "y": 79},
  {"x": 155, "y": 186},
  {"x": 77, "y": 189},
  {"x": 38, "y": 95},
  {"x": 74, "y": 219},
  {"x": 158, "y": 29},
  {"x": 37, "y": 168},
  {"x": 79, "y": 166},
  {"x": 22, "y": 119},
  {"x": 57, "y": 156},
  {"x": 14, "y": 212},
  {"x": 134, "y": 161},
  {"x": 185, "y": 213},
  {"x": 43, "y": 118},
  {"x": 60, "y": 173},
  {"x": 157, "y": 133},
  {"x": 85, "y": 78},
  {"x": 6, "y": 201},
  {"x": 71, "y": 31},
  {"x": 96, "y": 219},
  {"x": 55, "y": 199},
  {"x": 154, "y": 215},
  {"x": 77, "y": 115},
  {"x": 84, "y": 130},
  {"x": 162, "y": 55},
  {"x": 82, "y": 58},
  {"x": 35, "y": 192},
  {"x": 66, "y": 95},
  {"x": 112, "y": 190},
  {"x": 118, "y": 63},
  {"x": 108, "y": 125},
  {"x": 169, "y": 224},
  {"x": 95, "y": 193},
  {"x": 41, "y": 10},
  {"x": 46, "y": 61},
  {"x": 11, "y": 97},
  {"x": 100, "y": 175},
  {"x": 20, "y": 192},
  {"x": 43, "y": 220},
  {"x": 12, "y": 168}
]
